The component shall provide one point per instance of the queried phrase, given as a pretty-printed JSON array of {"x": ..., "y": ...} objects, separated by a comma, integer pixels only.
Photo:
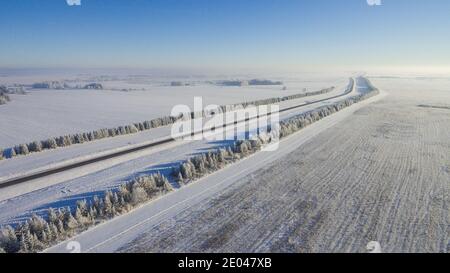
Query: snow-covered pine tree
[
  {"x": 222, "y": 155},
  {"x": 70, "y": 223},
  {"x": 147, "y": 125},
  {"x": 230, "y": 151},
  {"x": 138, "y": 195},
  {"x": 35, "y": 146},
  {"x": 107, "y": 204},
  {"x": 133, "y": 129},
  {"x": 54, "y": 231},
  {"x": 82, "y": 205},
  {"x": 180, "y": 177},
  {"x": 111, "y": 132},
  {"x": 116, "y": 201},
  {"x": 12, "y": 152},
  {"x": 50, "y": 144},
  {"x": 37, "y": 225},
  {"x": 23, "y": 149},
  {"x": 52, "y": 216},
  {"x": 140, "y": 126},
  {"x": 8, "y": 240},
  {"x": 61, "y": 229},
  {"x": 122, "y": 130},
  {"x": 23, "y": 245},
  {"x": 79, "y": 217},
  {"x": 187, "y": 170},
  {"x": 49, "y": 233}
]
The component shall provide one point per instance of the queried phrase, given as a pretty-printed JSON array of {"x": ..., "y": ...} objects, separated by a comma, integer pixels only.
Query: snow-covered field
[
  {"x": 384, "y": 165},
  {"x": 381, "y": 174},
  {"x": 49, "y": 113}
]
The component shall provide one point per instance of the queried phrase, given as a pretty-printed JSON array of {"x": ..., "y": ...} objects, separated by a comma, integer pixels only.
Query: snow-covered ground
[
  {"x": 380, "y": 174},
  {"x": 49, "y": 113},
  {"x": 405, "y": 133},
  {"x": 62, "y": 189}
]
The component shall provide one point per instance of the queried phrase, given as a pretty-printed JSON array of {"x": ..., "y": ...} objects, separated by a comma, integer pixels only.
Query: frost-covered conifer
[
  {"x": 70, "y": 222},
  {"x": 138, "y": 195},
  {"x": 35, "y": 146}
]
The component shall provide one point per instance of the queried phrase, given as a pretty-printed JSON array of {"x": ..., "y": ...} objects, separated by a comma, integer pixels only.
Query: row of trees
[
  {"x": 14, "y": 89},
  {"x": 57, "y": 225},
  {"x": 300, "y": 121},
  {"x": 68, "y": 140},
  {"x": 274, "y": 100},
  {"x": 201, "y": 165},
  {"x": 63, "y": 85}
]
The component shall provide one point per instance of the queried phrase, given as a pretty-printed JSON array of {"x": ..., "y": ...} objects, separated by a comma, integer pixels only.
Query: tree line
[
  {"x": 40, "y": 232},
  {"x": 68, "y": 140},
  {"x": 79, "y": 138}
]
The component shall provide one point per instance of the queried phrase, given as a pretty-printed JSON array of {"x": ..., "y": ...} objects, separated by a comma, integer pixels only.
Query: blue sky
[{"x": 229, "y": 34}]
